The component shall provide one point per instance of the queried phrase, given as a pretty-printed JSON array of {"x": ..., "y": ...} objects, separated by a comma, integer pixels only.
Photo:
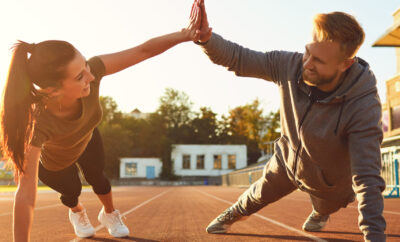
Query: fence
[
  {"x": 390, "y": 171},
  {"x": 244, "y": 177}
]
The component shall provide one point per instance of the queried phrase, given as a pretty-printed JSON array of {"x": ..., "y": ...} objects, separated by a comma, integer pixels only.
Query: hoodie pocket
[{"x": 311, "y": 175}]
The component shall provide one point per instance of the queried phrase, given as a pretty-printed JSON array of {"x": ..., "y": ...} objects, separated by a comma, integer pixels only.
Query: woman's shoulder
[{"x": 97, "y": 68}]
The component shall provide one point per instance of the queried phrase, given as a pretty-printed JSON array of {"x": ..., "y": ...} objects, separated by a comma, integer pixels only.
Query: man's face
[{"x": 323, "y": 64}]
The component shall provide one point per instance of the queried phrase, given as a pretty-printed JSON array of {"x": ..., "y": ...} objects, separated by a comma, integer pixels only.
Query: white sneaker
[
  {"x": 81, "y": 224},
  {"x": 113, "y": 223}
]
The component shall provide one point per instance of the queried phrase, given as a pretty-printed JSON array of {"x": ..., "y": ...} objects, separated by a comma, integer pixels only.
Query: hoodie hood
[{"x": 358, "y": 81}]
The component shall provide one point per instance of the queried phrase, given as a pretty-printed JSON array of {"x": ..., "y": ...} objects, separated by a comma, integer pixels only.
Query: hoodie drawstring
[{"x": 340, "y": 115}]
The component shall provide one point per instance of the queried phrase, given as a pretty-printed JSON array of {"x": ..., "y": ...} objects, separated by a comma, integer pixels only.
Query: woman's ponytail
[{"x": 17, "y": 107}]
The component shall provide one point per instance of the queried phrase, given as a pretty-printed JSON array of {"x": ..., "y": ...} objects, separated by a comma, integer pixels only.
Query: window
[
  {"x": 186, "y": 161},
  {"x": 231, "y": 161},
  {"x": 130, "y": 169},
  {"x": 217, "y": 162},
  {"x": 200, "y": 162},
  {"x": 396, "y": 117},
  {"x": 385, "y": 121}
]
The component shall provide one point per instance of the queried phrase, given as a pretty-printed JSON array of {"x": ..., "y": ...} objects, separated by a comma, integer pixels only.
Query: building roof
[
  {"x": 391, "y": 38},
  {"x": 136, "y": 111}
]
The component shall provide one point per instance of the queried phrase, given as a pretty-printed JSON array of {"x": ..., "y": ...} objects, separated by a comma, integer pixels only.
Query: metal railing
[
  {"x": 390, "y": 171},
  {"x": 244, "y": 177}
]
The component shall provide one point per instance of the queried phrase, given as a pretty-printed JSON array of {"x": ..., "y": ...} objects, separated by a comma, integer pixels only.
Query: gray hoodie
[{"x": 330, "y": 147}]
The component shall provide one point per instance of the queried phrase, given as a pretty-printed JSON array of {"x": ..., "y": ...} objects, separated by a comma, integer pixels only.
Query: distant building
[
  {"x": 193, "y": 162},
  {"x": 207, "y": 160},
  {"x": 149, "y": 168},
  {"x": 6, "y": 171},
  {"x": 391, "y": 109},
  {"x": 137, "y": 114}
]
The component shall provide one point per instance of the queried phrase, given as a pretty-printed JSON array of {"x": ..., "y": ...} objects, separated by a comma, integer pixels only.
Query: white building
[
  {"x": 149, "y": 168},
  {"x": 208, "y": 160},
  {"x": 137, "y": 114}
]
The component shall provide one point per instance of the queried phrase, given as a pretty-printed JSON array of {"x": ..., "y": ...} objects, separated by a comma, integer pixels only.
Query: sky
[{"x": 97, "y": 27}]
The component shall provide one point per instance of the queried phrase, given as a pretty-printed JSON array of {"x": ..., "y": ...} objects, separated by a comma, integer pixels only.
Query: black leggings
[{"x": 67, "y": 181}]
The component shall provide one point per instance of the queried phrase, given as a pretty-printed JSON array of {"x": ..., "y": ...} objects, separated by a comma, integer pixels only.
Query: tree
[
  {"x": 175, "y": 108},
  {"x": 117, "y": 144},
  {"x": 245, "y": 125},
  {"x": 175, "y": 113},
  {"x": 116, "y": 139},
  {"x": 272, "y": 128},
  {"x": 205, "y": 127},
  {"x": 110, "y": 110}
]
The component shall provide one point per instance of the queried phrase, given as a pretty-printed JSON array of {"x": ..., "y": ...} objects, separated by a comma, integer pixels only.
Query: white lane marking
[
  {"x": 271, "y": 220},
  {"x": 37, "y": 208},
  {"x": 125, "y": 213},
  {"x": 349, "y": 206}
]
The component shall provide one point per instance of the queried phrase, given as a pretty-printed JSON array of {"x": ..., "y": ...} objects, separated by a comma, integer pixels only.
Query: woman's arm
[
  {"x": 25, "y": 196},
  {"x": 118, "y": 61}
]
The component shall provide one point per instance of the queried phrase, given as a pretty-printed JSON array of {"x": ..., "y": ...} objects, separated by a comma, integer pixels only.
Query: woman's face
[{"x": 76, "y": 84}]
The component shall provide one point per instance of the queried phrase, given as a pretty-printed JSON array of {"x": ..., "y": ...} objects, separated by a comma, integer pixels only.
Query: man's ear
[{"x": 346, "y": 64}]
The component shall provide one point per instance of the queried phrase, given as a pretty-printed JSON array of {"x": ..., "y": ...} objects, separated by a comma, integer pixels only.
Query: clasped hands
[{"x": 198, "y": 29}]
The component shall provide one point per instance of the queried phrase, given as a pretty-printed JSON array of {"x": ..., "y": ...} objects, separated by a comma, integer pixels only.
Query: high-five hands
[{"x": 199, "y": 28}]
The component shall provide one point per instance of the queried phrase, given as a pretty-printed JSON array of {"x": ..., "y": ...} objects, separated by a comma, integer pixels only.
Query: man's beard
[{"x": 317, "y": 81}]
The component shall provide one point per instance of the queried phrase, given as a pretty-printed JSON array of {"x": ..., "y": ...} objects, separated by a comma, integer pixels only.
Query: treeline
[{"x": 174, "y": 122}]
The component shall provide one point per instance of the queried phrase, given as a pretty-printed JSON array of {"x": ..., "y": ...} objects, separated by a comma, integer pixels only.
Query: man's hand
[
  {"x": 192, "y": 31},
  {"x": 205, "y": 30}
]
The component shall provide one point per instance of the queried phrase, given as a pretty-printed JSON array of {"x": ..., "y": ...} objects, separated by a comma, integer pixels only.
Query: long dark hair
[{"x": 43, "y": 65}]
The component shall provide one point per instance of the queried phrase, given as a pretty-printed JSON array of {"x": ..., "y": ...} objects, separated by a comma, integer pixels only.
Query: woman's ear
[{"x": 51, "y": 91}]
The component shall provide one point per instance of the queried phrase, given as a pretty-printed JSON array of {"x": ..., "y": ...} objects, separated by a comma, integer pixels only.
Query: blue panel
[{"x": 150, "y": 172}]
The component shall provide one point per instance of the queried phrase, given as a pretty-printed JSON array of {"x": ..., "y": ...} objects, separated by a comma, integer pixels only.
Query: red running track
[{"x": 182, "y": 214}]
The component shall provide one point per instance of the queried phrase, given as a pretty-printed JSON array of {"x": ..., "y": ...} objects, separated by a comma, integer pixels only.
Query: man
[{"x": 330, "y": 121}]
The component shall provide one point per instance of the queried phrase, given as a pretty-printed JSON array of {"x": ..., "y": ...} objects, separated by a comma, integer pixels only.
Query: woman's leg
[
  {"x": 92, "y": 165},
  {"x": 66, "y": 182}
]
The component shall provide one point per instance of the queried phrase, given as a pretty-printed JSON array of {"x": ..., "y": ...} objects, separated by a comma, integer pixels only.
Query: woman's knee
[
  {"x": 70, "y": 198},
  {"x": 100, "y": 184}
]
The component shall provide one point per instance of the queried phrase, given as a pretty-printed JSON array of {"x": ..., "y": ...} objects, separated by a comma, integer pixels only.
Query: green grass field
[{"x": 12, "y": 188}]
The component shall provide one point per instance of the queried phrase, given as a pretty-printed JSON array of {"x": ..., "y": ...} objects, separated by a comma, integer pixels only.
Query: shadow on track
[
  {"x": 278, "y": 237},
  {"x": 352, "y": 233},
  {"x": 130, "y": 238}
]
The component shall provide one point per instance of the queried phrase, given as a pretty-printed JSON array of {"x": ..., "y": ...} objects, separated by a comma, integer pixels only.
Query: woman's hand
[
  {"x": 192, "y": 31},
  {"x": 25, "y": 196}
]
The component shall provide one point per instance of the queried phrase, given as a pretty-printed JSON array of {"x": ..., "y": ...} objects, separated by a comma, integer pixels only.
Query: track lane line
[
  {"x": 125, "y": 213},
  {"x": 312, "y": 237},
  {"x": 36, "y": 208}
]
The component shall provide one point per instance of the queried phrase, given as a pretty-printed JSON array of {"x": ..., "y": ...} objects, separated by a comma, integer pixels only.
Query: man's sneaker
[
  {"x": 113, "y": 223},
  {"x": 315, "y": 222},
  {"x": 81, "y": 224},
  {"x": 221, "y": 223}
]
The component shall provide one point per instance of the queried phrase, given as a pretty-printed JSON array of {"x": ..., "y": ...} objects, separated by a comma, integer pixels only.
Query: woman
[{"x": 48, "y": 122}]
